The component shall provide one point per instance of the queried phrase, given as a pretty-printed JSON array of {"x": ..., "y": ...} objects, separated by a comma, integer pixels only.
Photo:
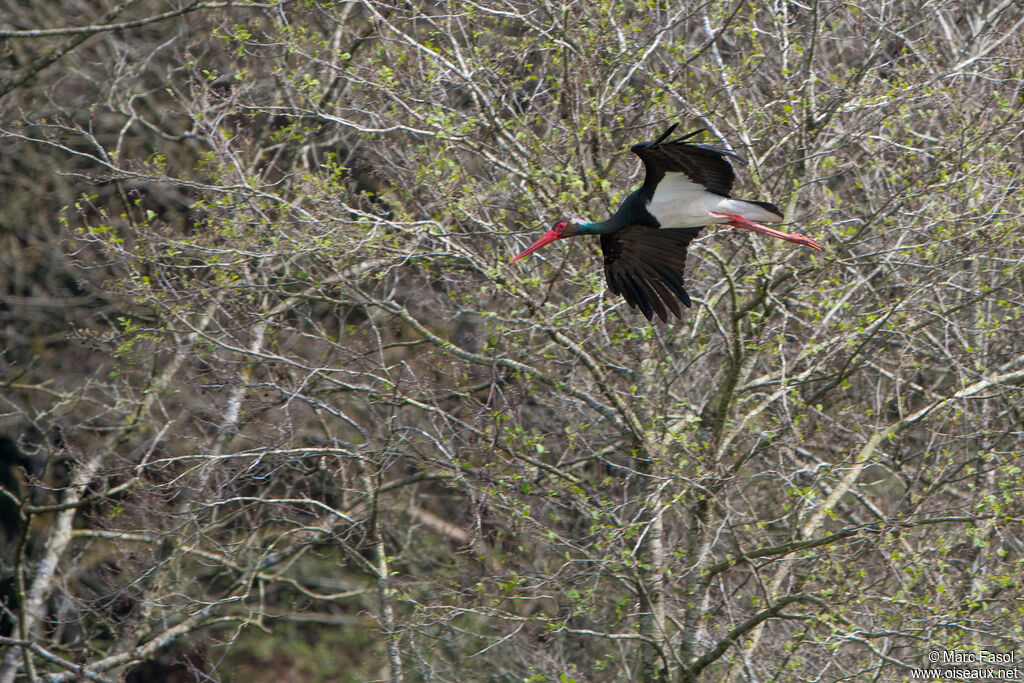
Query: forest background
[{"x": 275, "y": 407}]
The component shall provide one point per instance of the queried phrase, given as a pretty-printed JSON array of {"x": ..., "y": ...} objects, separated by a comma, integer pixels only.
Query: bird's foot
[
  {"x": 804, "y": 240},
  {"x": 746, "y": 224}
]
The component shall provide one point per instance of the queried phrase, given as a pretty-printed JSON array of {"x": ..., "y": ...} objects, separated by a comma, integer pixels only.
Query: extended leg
[{"x": 741, "y": 222}]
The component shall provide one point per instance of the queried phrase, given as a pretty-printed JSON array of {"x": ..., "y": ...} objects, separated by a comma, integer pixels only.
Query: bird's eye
[{"x": 559, "y": 227}]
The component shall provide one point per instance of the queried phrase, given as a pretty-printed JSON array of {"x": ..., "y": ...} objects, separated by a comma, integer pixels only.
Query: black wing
[
  {"x": 645, "y": 265},
  {"x": 703, "y": 165}
]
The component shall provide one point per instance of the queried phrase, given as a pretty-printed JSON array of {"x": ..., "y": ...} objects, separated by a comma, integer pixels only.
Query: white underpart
[{"x": 679, "y": 202}]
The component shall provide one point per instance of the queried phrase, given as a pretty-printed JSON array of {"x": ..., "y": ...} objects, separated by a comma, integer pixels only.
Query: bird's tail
[{"x": 767, "y": 206}]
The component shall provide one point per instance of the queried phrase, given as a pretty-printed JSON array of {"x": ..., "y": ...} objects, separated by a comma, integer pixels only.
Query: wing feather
[
  {"x": 703, "y": 164},
  {"x": 648, "y": 301},
  {"x": 670, "y": 301},
  {"x": 645, "y": 266}
]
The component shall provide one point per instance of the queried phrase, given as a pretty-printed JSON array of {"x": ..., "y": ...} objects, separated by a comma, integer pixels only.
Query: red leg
[{"x": 741, "y": 222}]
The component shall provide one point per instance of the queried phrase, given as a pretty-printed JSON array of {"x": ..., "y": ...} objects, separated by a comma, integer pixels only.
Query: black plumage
[
  {"x": 702, "y": 164},
  {"x": 645, "y": 266}
]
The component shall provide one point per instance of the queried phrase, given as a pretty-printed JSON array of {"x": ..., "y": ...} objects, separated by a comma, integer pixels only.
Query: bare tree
[{"x": 276, "y": 405}]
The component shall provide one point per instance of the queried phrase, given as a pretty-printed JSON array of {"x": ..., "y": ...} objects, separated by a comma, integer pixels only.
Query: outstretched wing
[
  {"x": 702, "y": 165},
  {"x": 645, "y": 265}
]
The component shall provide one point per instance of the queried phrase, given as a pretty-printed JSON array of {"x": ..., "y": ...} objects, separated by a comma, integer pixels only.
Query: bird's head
[{"x": 559, "y": 230}]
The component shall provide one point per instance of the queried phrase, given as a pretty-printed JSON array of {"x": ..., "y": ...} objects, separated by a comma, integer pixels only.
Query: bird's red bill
[{"x": 547, "y": 238}]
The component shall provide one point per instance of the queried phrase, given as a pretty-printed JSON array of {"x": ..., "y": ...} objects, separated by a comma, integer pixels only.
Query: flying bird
[{"x": 686, "y": 187}]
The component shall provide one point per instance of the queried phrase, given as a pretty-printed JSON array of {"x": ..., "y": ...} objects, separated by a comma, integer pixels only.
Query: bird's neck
[
  {"x": 599, "y": 228},
  {"x": 633, "y": 210}
]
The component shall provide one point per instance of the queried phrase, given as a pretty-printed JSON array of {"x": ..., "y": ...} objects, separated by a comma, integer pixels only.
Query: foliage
[{"x": 277, "y": 406}]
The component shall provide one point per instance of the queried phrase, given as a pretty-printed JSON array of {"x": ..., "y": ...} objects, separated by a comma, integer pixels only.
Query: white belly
[{"x": 680, "y": 203}]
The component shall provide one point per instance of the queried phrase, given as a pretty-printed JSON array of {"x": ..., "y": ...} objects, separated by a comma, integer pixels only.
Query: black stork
[{"x": 686, "y": 187}]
